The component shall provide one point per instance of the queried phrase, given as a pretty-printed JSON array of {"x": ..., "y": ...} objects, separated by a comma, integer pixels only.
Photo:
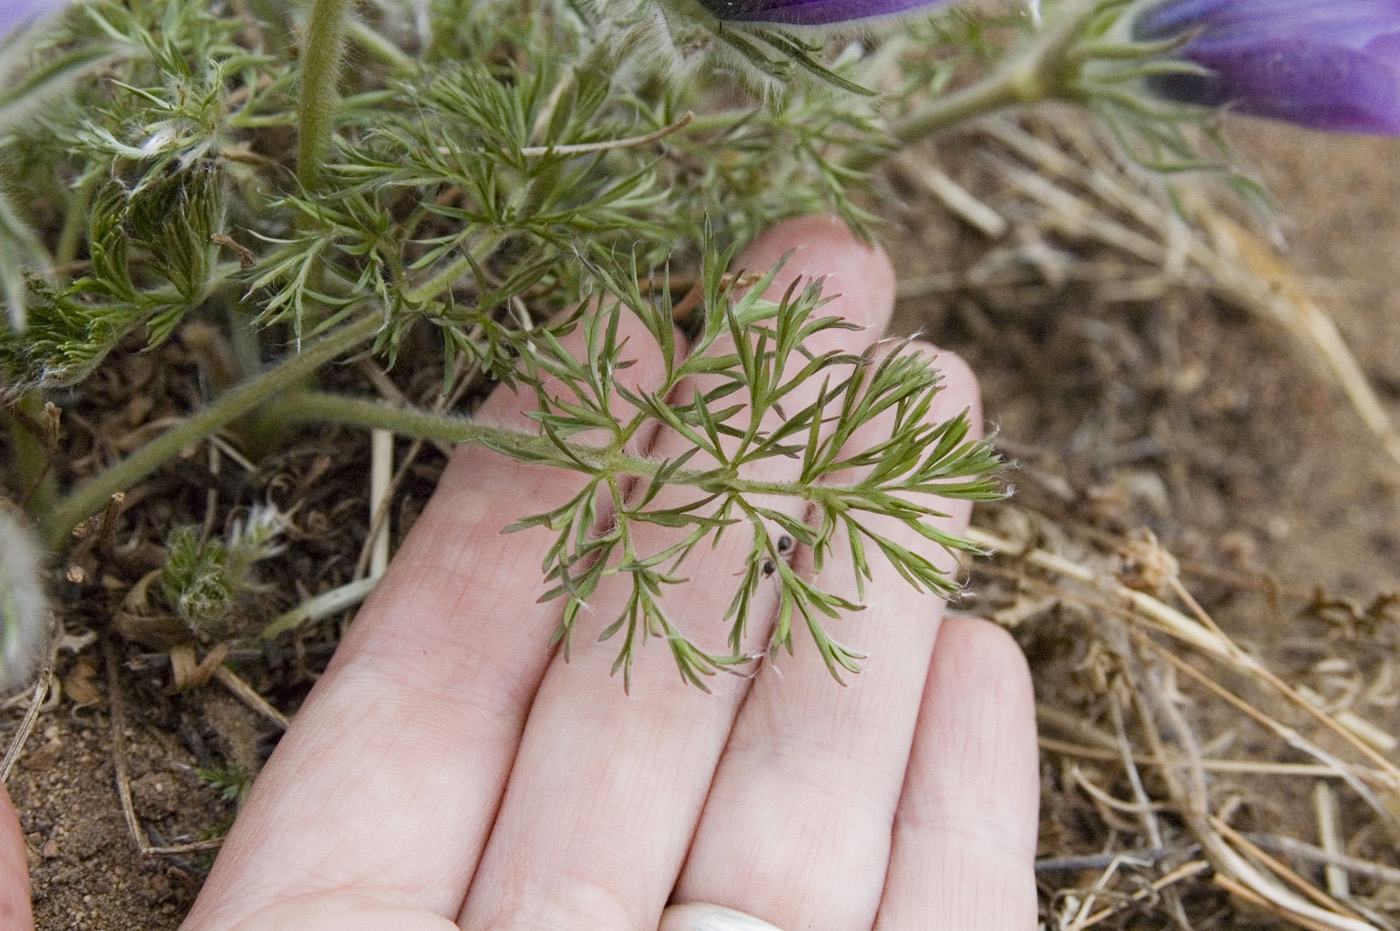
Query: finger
[
  {"x": 14, "y": 870},
  {"x": 385, "y": 785},
  {"x": 700, "y": 916},
  {"x": 964, "y": 838},
  {"x": 796, "y": 830},
  {"x": 607, "y": 786}
]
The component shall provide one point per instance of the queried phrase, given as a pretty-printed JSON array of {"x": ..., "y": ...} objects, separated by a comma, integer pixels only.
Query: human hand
[
  {"x": 14, "y": 870},
  {"x": 449, "y": 769}
]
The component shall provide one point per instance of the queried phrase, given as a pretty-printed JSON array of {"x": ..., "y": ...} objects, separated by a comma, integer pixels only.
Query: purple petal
[
  {"x": 1333, "y": 65},
  {"x": 810, "y": 12},
  {"x": 15, "y": 13}
]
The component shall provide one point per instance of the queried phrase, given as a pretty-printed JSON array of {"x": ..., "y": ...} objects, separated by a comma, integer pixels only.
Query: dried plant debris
[
  {"x": 1218, "y": 740},
  {"x": 1175, "y": 759}
]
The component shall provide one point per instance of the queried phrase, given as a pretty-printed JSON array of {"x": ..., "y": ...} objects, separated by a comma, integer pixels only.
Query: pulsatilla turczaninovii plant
[{"x": 490, "y": 167}]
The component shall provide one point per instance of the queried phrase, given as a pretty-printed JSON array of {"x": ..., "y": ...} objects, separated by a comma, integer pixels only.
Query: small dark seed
[
  {"x": 769, "y": 567},
  {"x": 785, "y": 544}
]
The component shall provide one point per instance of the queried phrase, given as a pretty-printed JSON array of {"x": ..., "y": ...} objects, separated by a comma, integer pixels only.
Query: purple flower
[
  {"x": 809, "y": 12},
  {"x": 1328, "y": 64},
  {"x": 16, "y": 13}
]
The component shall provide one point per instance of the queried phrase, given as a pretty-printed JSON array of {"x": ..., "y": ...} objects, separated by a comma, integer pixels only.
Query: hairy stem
[
  {"x": 372, "y": 43},
  {"x": 437, "y": 281},
  {"x": 37, "y": 483},
  {"x": 1003, "y": 89},
  {"x": 75, "y": 223},
  {"x": 322, "y": 48},
  {"x": 89, "y": 498},
  {"x": 316, "y": 406},
  {"x": 1045, "y": 69}
]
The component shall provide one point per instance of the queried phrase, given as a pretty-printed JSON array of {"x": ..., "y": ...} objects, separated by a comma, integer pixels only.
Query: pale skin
[{"x": 451, "y": 770}]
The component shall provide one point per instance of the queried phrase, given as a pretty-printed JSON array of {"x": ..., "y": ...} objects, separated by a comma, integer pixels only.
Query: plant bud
[{"x": 24, "y": 611}]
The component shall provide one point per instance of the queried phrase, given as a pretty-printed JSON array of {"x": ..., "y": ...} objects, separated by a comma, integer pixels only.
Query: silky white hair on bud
[{"x": 24, "y": 609}]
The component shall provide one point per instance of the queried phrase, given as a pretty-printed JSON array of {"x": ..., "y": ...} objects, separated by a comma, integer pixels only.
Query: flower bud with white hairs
[{"x": 24, "y": 610}]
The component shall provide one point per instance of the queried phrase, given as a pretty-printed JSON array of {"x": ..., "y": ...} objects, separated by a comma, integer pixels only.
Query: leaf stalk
[
  {"x": 89, "y": 498},
  {"x": 323, "y": 47},
  {"x": 1043, "y": 71}
]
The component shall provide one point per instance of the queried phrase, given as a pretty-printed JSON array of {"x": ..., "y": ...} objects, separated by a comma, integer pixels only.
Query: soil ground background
[{"x": 1181, "y": 414}]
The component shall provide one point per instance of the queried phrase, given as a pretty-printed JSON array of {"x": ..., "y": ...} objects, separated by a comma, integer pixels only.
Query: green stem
[
  {"x": 1003, "y": 89},
  {"x": 361, "y": 101},
  {"x": 322, "y": 606},
  {"x": 322, "y": 48},
  {"x": 443, "y": 278},
  {"x": 91, "y": 497},
  {"x": 380, "y": 47},
  {"x": 1044, "y": 70},
  {"x": 315, "y": 406},
  {"x": 37, "y": 482},
  {"x": 75, "y": 224}
]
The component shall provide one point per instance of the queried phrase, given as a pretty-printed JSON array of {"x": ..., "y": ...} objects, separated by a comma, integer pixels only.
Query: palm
[{"x": 448, "y": 770}]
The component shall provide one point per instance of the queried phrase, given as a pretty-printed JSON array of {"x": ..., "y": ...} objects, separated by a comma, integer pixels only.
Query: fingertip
[
  {"x": 857, "y": 276},
  {"x": 959, "y": 388},
  {"x": 977, "y": 749},
  {"x": 965, "y": 833},
  {"x": 986, "y": 660},
  {"x": 642, "y": 370}
]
